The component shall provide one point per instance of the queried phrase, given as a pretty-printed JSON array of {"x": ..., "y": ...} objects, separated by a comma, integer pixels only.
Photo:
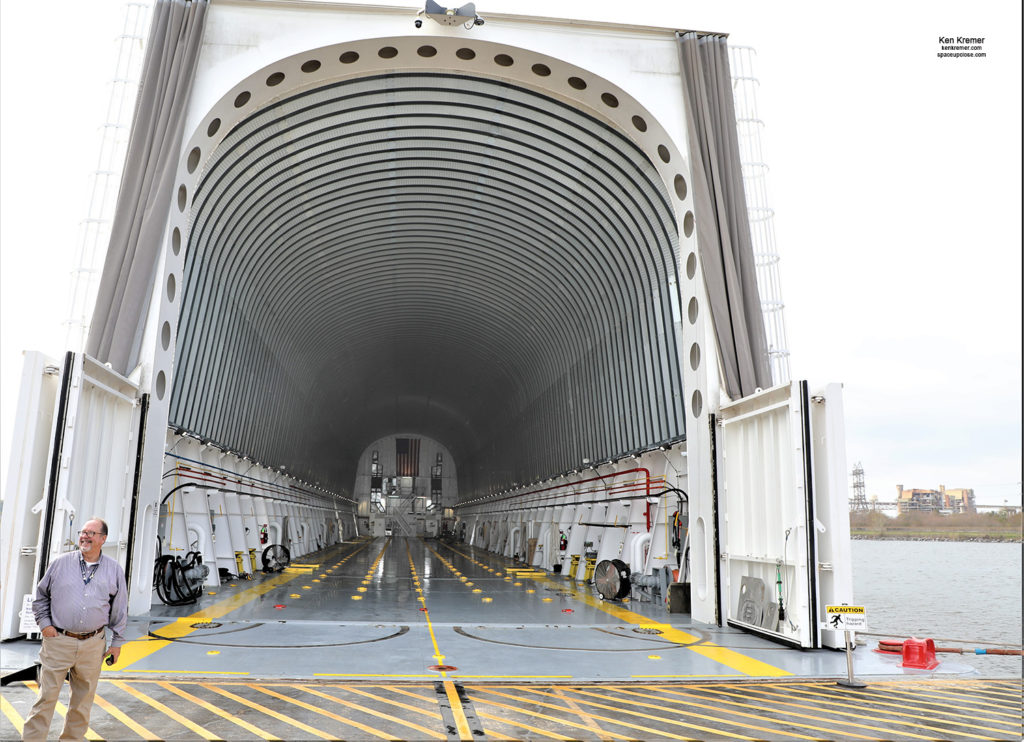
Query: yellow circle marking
[
  {"x": 653, "y": 657},
  {"x": 214, "y": 651},
  {"x": 487, "y": 600},
  {"x": 357, "y": 597}
]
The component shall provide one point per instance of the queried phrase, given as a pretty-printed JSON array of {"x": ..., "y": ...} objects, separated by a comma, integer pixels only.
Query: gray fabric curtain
[
  {"x": 140, "y": 218},
  {"x": 720, "y": 208}
]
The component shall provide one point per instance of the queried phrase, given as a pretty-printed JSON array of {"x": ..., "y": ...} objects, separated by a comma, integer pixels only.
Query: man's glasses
[{"x": 90, "y": 534}]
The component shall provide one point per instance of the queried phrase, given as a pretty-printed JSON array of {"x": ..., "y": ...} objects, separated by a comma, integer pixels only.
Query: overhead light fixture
[{"x": 465, "y": 16}]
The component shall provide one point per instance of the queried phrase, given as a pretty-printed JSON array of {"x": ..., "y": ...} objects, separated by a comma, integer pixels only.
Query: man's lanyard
[{"x": 87, "y": 574}]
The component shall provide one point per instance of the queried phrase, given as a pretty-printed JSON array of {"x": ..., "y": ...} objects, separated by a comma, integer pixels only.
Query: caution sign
[{"x": 845, "y": 617}]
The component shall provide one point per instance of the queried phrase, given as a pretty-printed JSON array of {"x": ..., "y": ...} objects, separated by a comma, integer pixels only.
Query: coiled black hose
[{"x": 172, "y": 587}]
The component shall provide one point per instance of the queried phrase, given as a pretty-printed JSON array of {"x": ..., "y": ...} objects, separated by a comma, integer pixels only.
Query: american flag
[{"x": 407, "y": 457}]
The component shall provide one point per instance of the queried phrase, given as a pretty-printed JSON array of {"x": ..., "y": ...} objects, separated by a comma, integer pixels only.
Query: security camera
[{"x": 418, "y": 23}]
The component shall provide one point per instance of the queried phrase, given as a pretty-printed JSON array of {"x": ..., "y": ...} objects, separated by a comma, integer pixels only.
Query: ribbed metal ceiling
[{"x": 445, "y": 255}]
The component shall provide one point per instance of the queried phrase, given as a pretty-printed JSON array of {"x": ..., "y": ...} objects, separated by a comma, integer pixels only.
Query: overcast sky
[{"x": 895, "y": 179}]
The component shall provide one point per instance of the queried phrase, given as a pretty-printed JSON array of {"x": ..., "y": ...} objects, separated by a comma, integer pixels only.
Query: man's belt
[{"x": 73, "y": 635}]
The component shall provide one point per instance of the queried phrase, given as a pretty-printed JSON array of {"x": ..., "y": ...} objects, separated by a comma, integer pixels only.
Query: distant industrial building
[{"x": 941, "y": 500}]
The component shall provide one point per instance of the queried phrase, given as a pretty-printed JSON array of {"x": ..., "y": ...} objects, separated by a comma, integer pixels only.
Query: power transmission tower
[{"x": 859, "y": 501}]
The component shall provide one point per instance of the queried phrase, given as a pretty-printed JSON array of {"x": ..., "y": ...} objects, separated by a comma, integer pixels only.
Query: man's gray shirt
[{"x": 65, "y": 601}]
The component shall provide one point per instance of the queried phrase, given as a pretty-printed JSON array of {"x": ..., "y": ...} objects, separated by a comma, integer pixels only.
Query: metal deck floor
[
  {"x": 444, "y": 639},
  {"x": 413, "y": 609}
]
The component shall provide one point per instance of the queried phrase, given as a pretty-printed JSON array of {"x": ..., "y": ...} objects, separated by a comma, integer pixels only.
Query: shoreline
[{"x": 958, "y": 537}]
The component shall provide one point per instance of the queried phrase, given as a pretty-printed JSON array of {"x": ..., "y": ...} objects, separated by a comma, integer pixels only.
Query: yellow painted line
[
  {"x": 428, "y": 733},
  {"x": 790, "y": 716},
  {"x": 367, "y": 675},
  {"x": 165, "y": 710},
  {"x": 461, "y": 722},
  {"x": 626, "y": 712},
  {"x": 655, "y": 733},
  {"x": 125, "y": 719},
  {"x": 534, "y": 730},
  {"x": 134, "y": 651},
  {"x": 426, "y": 614},
  {"x": 946, "y": 701},
  {"x": 12, "y": 714},
  {"x": 193, "y": 672},
  {"x": 676, "y": 677},
  {"x": 902, "y": 709},
  {"x": 517, "y": 678},
  {"x": 63, "y": 711},
  {"x": 833, "y": 713},
  {"x": 723, "y": 656},
  {"x": 432, "y": 713},
  {"x": 268, "y": 711},
  {"x": 322, "y": 712},
  {"x": 580, "y": 711},
  {"x": 683, "y": 712},
  {"x": 219, "y": 712}
]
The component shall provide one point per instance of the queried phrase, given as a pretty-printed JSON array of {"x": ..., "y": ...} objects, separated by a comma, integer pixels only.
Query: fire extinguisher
[
  {"x": 563, "y": 541},
  {"x": 263, "y": 534}
]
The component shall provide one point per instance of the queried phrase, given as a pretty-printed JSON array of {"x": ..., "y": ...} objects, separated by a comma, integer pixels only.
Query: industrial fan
[
  {"x": 276, "y": 558},
  {"x": 611, "y": 578}
]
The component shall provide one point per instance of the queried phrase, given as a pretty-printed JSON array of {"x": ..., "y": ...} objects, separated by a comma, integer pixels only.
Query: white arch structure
[{"x": 763, "y": 475}]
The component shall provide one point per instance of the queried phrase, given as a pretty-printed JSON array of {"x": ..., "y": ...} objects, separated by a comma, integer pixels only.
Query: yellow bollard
[
  {"x": 574, "y": 564},
  {"x": 589, "y": 571}
]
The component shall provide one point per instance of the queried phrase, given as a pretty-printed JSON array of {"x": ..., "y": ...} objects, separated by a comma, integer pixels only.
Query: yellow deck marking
[
  {"x": 945, "y": 701},
  {"x": 268, "y": 711},
  {"x": 133, "y": 651},
  {"x": 195, "y": 672},
  {"x": 900, "y": 708},
  {"x": 674, "y": 723},
  {"x": 426, "y": 613},
  {"x": 833, "y": 733},
  {"x": 63, "y": 710},
  {"x": 832, "y": 711},
  {"x": 728, "y": 657},
  {"x": 604, "y": 734},
  {"x": 12, "y": 713},
  {"x": 657, "y": 733},
  {"x": 521, "y": 725},
  {"x": 429, "y": 733},
  {"x": 322, "y": 712},
  {"x": 165, "y": 710},
  {"x": 461, "y": 722},
  {"x": 125, "y": 719},
  {"x": 432, "y": 713},
  {"x": 368, "y": 675},
  {"x": 723, "y": 656},
  {"x": 682, "y": 712},
  {"x": 219, "y": 712},
  {"x": 580, "y": 711}
]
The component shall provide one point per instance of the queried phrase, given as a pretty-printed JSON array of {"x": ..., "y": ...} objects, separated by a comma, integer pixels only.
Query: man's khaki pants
[{"x": 83, "y": 657}]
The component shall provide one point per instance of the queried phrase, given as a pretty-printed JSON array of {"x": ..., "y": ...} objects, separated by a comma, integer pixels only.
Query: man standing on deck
[{"x": 81, "y": 594}]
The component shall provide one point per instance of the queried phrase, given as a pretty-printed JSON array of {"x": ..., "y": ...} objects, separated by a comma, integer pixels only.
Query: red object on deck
[{"x": 920, "y": 654}]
